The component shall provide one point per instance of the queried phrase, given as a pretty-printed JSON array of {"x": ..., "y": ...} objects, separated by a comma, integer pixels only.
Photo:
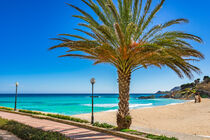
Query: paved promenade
[
  {"x": 7, "y": 135},
  {"x": 73, "y": 132}
]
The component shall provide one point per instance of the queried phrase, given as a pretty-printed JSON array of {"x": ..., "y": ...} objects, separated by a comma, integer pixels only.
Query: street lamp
[
  {"x": 92, "y": 81},
  {"x": 17, "y": 84}
]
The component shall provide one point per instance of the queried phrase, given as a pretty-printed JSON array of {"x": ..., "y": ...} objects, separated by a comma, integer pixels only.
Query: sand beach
[{"x": 186, "y": 118}]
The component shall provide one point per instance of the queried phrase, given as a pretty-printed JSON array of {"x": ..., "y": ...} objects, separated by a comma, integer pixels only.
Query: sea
[{"x": 72, "y": 104}]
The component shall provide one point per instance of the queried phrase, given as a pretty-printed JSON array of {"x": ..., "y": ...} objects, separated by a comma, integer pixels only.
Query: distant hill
[
  {"x": 187, "y": 91},
  {"x": 162, "y": 92},
  {"x": 169, "y": 92},
  {"x": 204, "y": 86},
  {"x": 190, "y": 89},
  {"x": 175, "y": 89}
]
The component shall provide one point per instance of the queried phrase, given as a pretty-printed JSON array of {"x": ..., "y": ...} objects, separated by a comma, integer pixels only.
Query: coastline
[
  {"x": 182, "y": 120},
  {"x": 185, "y": 118},
  {"x": 77, "y": 104},
  {"x": 114, "y": 110}
]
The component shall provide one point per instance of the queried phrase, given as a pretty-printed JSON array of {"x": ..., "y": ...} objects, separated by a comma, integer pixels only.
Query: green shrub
[
  {"x": 134, "y": 132},
  {"x": 67, "y": 118},
  {"x": 31, "y": 112},
  {"x": 6, "y": 108},
  {"x": 128, "y": 130},
  {"x": 103, "y": 125},
  {"x": 188, "y": 85},
  {"x": 204, "y": 96},
  {"x": 26, "y": 132},
  {"x": 2, "y": 122},
  {"x": 154, "y": 137},
  {"x": 64, "y": 117}
]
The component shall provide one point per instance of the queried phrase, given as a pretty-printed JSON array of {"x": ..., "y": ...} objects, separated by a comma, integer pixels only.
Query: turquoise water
[{"x": 71, "y": 104}]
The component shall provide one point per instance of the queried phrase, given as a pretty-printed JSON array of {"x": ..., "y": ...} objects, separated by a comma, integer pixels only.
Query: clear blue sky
[{"x": 27, "y": 25}]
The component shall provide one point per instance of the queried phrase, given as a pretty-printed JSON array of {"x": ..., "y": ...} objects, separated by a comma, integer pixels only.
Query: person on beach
[{"x": 196, "y": 98}]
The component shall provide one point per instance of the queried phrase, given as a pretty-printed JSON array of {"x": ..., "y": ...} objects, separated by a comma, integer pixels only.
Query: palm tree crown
[
  {"x": 122, "y": 38},
  {"x": 125, "y": 38}
]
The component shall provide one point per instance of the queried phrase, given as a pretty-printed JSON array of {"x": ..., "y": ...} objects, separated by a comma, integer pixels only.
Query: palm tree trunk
[{"x": 123, "y": 114}]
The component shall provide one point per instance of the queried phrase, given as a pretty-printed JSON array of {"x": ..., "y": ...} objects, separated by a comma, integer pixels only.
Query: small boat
[{"x": 95, "y": 96}]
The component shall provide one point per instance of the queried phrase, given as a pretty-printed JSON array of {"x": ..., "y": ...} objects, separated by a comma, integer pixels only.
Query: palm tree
[{"x": 124, "y": 37}]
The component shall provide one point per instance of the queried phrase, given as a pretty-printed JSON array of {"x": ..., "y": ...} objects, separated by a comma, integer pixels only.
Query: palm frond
[{"x": 120, "y": 35}]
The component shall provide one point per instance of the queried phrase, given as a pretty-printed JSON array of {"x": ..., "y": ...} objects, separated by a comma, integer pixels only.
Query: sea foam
[{"x": 116, "y": 105}]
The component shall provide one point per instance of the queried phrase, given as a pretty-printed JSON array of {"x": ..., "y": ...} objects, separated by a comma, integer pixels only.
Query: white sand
[{"x": 188, "y": 118}]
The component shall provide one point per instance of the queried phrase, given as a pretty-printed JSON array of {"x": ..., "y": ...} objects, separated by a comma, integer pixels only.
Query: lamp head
[
  {"x": 92, "y": 81},
  {"x": 17, "y": 84}
]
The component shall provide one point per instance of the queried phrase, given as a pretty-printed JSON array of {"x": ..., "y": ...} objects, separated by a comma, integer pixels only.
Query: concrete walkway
[
  {"x": 180, "y": 136},
  {"x": 73, "y": 132},
  {"x": 7, "y": 136}
]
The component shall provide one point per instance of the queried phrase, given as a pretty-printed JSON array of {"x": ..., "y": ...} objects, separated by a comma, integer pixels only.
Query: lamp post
[
  {"x": 92, "y": 81},
  {"x": 17, "y": 84}
]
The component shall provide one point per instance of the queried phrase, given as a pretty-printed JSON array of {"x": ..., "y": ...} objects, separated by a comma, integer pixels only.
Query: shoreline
[
  {"x": 185, "y": 118},
  {"x": 114, "y": 110}
]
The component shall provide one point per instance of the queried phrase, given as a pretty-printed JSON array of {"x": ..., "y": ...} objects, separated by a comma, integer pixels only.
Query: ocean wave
[
  {"x": 173, "y": 103},
  {"x": 116, "y": 105},
  {"x": 139, "y": 105},
  {"x": 110, "y": 110},
  {"x": 102, "y": 105}
]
